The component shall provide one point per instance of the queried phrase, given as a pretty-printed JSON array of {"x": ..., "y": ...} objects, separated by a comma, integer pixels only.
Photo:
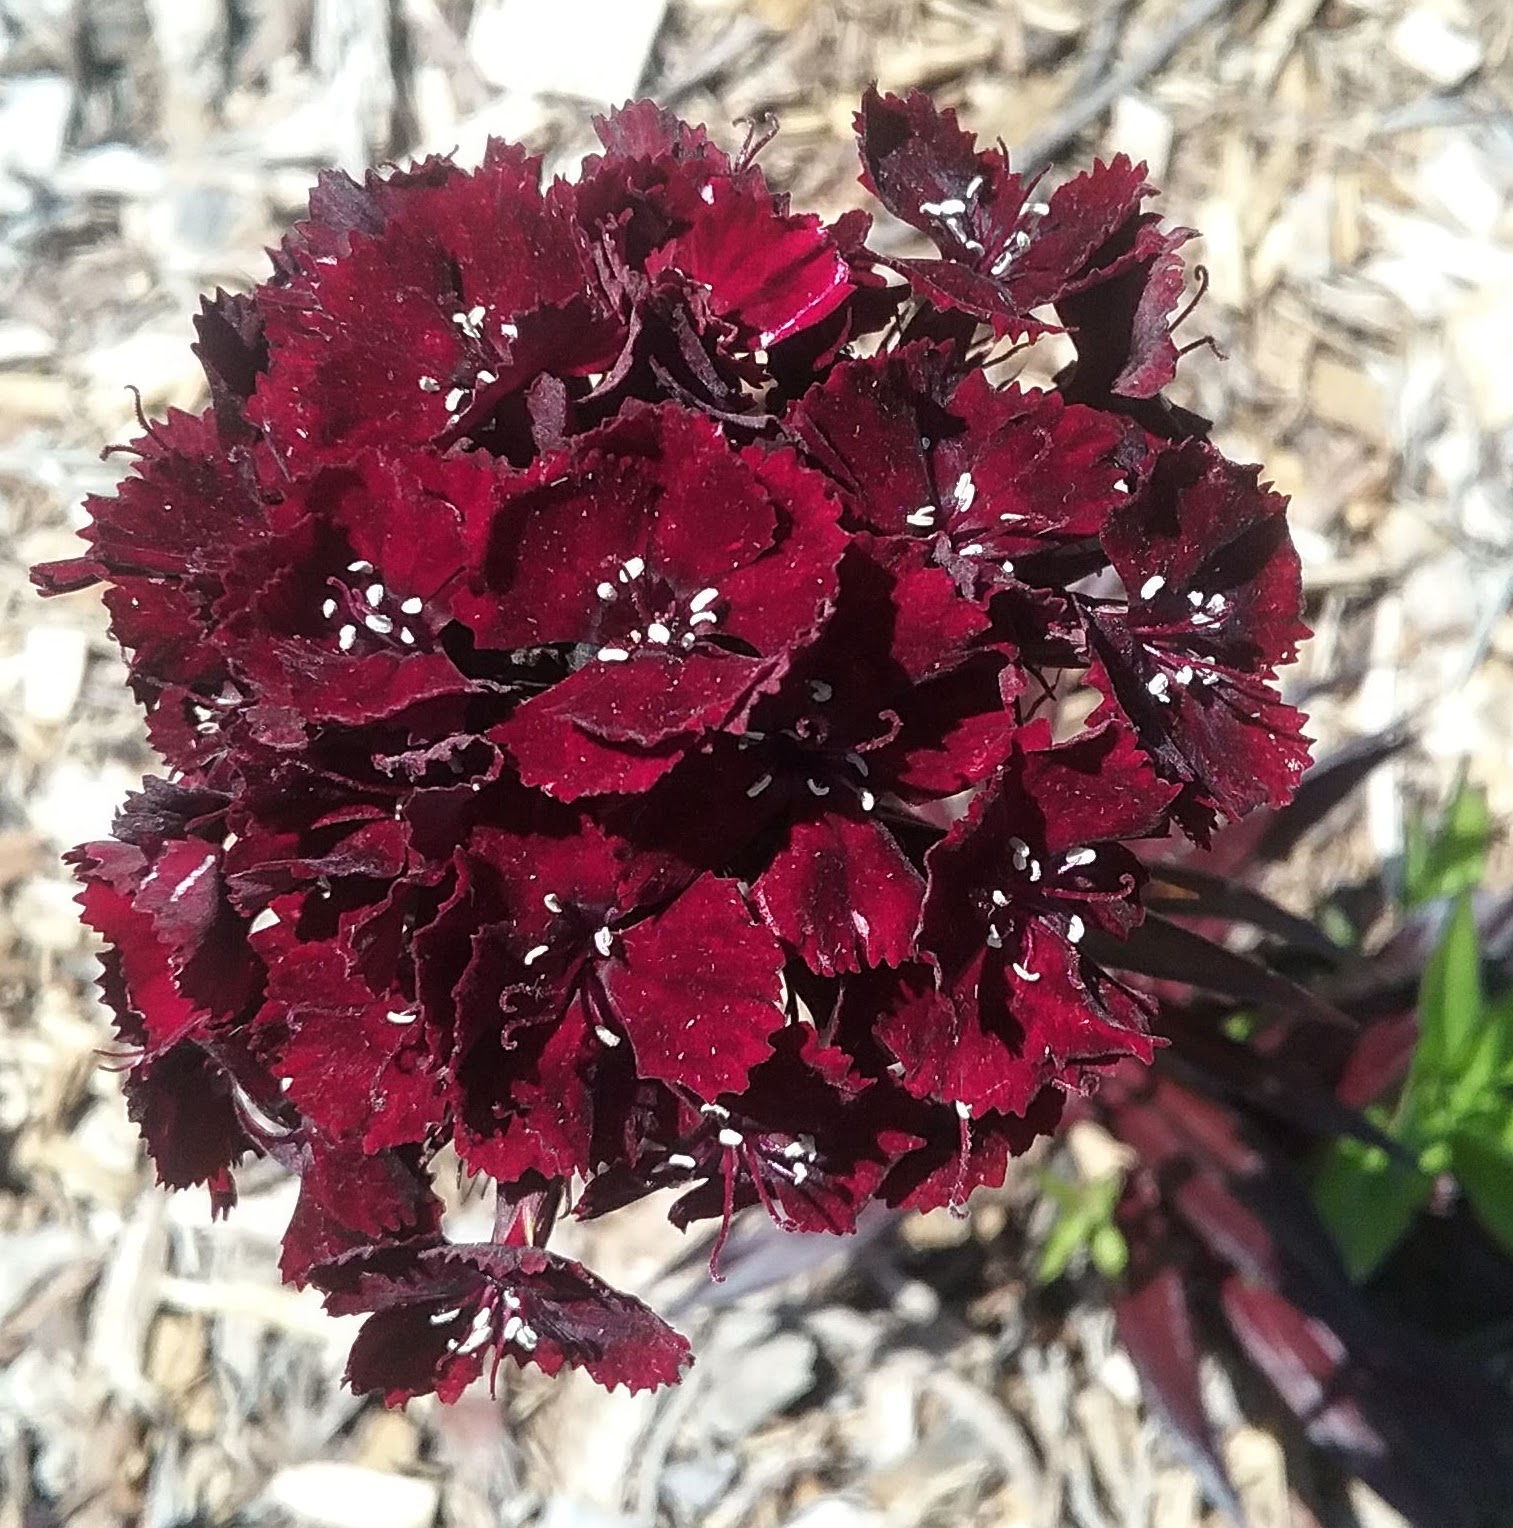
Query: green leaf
[
  {"x": 1484, "y": 1167},
  {"x": 1451, "y": 1061},
  {"x": 1084, "y": 1221},
  {"x": 1452, "y": 857},
  {"x": 1368, "y": 1201},
  {"x": 1109, "y": 1250}
]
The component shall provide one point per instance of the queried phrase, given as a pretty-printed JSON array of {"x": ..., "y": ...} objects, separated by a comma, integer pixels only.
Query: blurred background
[{"x": 1348, "y": 163}]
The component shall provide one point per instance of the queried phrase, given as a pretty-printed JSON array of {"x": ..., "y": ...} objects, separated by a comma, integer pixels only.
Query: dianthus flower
[{"x": 606, "y": 642}]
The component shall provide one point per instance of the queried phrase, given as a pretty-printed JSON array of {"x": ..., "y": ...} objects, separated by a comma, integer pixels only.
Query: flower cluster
[{"x": 607, "y": 641}]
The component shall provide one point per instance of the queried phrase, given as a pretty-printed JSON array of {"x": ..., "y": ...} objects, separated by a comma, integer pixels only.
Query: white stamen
[
  {"x": 379, "y": 623},
  {"x": 430, "y": 385},
  {"x": 407, "y": 636},
  {"x": 484, "y": 378},
  {"x": 374, "y": 595},
  {"x": 924, "y": 516},
  {"x": 1010, "y": 515},
  {"x": 1158, "y": 685},
  {"x": 964, "y": 492},
  {"x": 820, "y": 691},
  {"x": 510, "y": 331},
  {"x": 346, "y": 637},
  {"x": 658, "y": 633},
  {"x": 999, "y": 899},
  {"x": 798, "y": 1149},
  {"x": 535, "y": 953},
  {"x": 973, "y": 187},
  {"x": 604, "y": 940},
  {"x": 1021, "y": 852},
  {"x": 683, "y": 1160},
  {"x": 701, "y": 617},
  {"x": 511, "y": 1329},
  {"x": 688, "y": 639},
  {"x": 400, "y": 1016},
  {"x": 868, "y": 800},
  {"x": 552, "y": 902},
  {"x": 231, "y": 840},
  {"x": 478, "y": 1337},
  {"x": 943, "y": 209},
  {"x": 859, "y": 764},
  {"x": 1075, "y": 929},
  {"x": 816, "y": 788},
  {"x": 1034, "y": 871},
  {"x": 800, "y": 1172},
  {"x": 1079, "y": 857},
  {"x": 634, "y": 567},
  {"x": 1039, "y": 209},
  {"x": 756, "y": 789},
  {"x": 1025, "y": 974},
  {"x": 605, "y": 591},
  {"x": 265, "y": 919},
  {"x": 1209, "y": 677},
  {"x": 995, "y": 939},
  {"x": 360, "y": 566},
  {"x": 607, "y": 1037},
  {"x": 730, "y": 1139},
  {"x": 453, "y": 399},
  {"x": 976, "y": 549},
  {"x": 1184, "y": 675},
  {"x": 1008, "y": 567},
  {"x": 715, "y": 1111},
  {"x": 526, "y": 1338},
  {"x": 706, "y": 193},
  {"x": 328, "y": 608},
  {"x": 412, "y": 606},
  {"x": 1215, "y": 604},
  {"x": 963, "y": 1109},
  {"x": 1194, "y": 598},
  {"x": 613, "y": 655},
  {"x": 702, "y": 598},
  {"x": 1152, "y": 586},
  {"x": 1121, "y": 485},
  {"x": 441, "y": 1317}
]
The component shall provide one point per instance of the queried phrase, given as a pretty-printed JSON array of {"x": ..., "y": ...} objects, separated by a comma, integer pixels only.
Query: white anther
[
  {"x": 703, "y": 598},
  {"x": 552, "y": 902},
  {"x": 999, "y": 899},
  {"x": 700, "y": 617},
  {"x": 1152, "y": 586},
  {"x": 976, "y": 549},
  {"x": 868, "y": 800},
  {"x": 441, "y": 1317},
  {"x": 475, "y": 1339},
  {"x": 1008, "y": 567},
  {"x": 800, "y": 1173},
  {"x": 526, "y": 1339},
  {"x": 605, "y": 591},
  {"x": 360, "y": 566},
  {"x": 509, "y": 331},
  {"x": 1075, "y": 929},
  {"x": 613, "y": 655},
  {"x": 634, "y": 567},
  {"x": 535, "y": 953},
  {"x": 412, "y": 606},
  {"x": 1021, "y": 852},
  {"x": 949, "y": 207},
  {"x": 1158, "y": 685},
  {"x": 379, "y": 623},
  {"x": 1079, "y": 857},
  {"x": 1208, "y": 677},
  {"x": 1184, "y": 675},
  {"x": 1121, "y": 485},
  {"x": 964, "y": 492},
  {"x": 477, "y": 315},
  {"x": 1215, "y": 604},
  {"x": 401, "y": 1016},
  {"x": 1039, "y": 209},
  {"x": 346, "y": 637},
  {"x": 1195, "y": 598},
  {"x": 607, "y": 1037},
  {"x": 816, "y": 788},
  {"x": 1034, "y": 871},
  {"x": 453, "y": 400},
  {"x": 658, "y": 633},
  {"x": 995, "y": 939},
  {"x": 265, "y": 919},
  {"x": 923, "y": 517},
  {"x": 430, "y": 385},
  {"x": 1025, "y": 974},
  {"x": 374, "y": 594},
  {"x": 484, "y": 378},
  {"x": 973, "y": 187},
  {"x": 688, "y": 639},
  {"x": 820, "y": 691},
  {"x": 683, "y": 1160},
  {"x": 231, "y": 840},
  {"x": 730, "y": 1139},
  {"x": 715, "y": 1111},
  {"x": 859, "y": 764},
  {"x": 604, "y": 940},
  {"x": 963, "y": 1109},
  {"x": 798, "y": 1149},
  {"x": 328, "y": 608},
  {"x": 407, "y": 636},
  {"x": 757, "y": 787}
]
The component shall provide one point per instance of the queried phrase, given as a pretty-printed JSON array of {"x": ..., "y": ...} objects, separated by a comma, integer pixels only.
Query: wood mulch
[{"x": 1349, "y": 163}]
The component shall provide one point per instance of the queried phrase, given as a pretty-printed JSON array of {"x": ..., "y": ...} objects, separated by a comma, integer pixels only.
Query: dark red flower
[{"x": 607, "y": 639}]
